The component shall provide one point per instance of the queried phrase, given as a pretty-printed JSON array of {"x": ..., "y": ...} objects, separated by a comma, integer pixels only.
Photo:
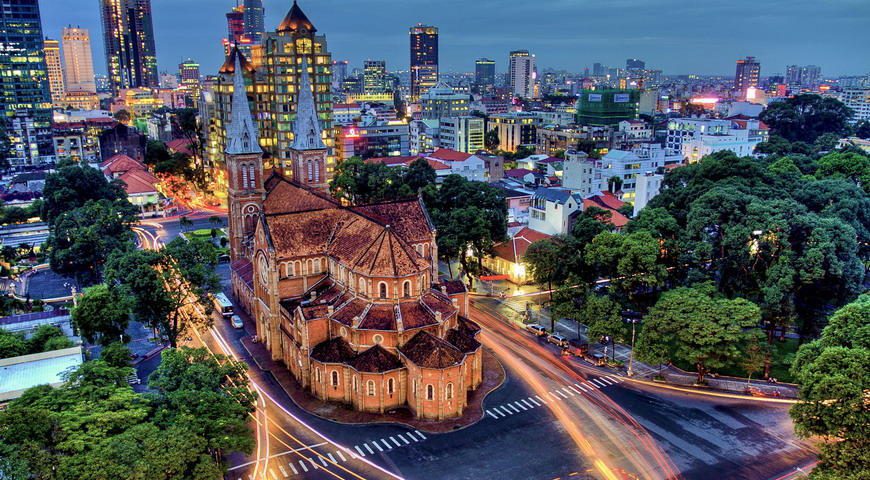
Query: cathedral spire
[
  {"x": 306, "y": 131},
  {"x": 242, "y": 135}
]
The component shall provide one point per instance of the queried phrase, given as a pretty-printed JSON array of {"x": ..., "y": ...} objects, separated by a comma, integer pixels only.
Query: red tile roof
[
  {"x": 517, "y": 172},
  {"x": 120, "y": 164},
  {"x": 335, "y": 350},
  {"x": 449, "y": 155},
  {"x": 376, "y": 360},
  {"x": 139, "y": 181},
  {"x": 181, "y": 145},
  {"x": 429, "y": 351},
  {"x": 244, "y": 270},
  {"x": 515, "y": 249}
]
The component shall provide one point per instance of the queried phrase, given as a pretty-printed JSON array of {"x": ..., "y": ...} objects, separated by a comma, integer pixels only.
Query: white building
[
  {"x": 582, "y": 174},
  {"x": 628, "y": 165},
  {"x": 469, "y": 166},
  {"x": 693, "y": 138},
  {"x": 424, "y": 136},
  {"x": 522, "y": 73},
  {"x": 858, "y": 99},
  {"x": 443, "y": 101},
  {"x": 463, "y": 134},
  {"x": 345, "y": 113},
  {"x": 551, "y": 209},
  {"x": 635, "y": 130},
  {"x": 647, "y": 186}
]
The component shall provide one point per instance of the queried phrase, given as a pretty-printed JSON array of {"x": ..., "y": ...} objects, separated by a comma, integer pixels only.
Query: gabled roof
[
  {"x": 335, "y": 350},
  {"x": 180, "y": 145},
  {"x": 388, "y": 256},
  {"x": 376, "y": 360},
  {"x": 517, "y": 172},
  {"x": 115, "y": 158},
  {"x": 462, "y": 339},
  {"x": 296, "y": 20},
  {"x": 555, "y": 195},
  {"x": 139, "y": 181},
  {"x": 449, "y": 155},
  {"x": 429, "y": 351},
  {"x": 515, "y": 249}
]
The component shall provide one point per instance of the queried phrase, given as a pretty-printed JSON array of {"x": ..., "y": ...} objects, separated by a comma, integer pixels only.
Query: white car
[
  {"x": 558, "y": 340},
  {"x": 236, "y": 322},
  {"x": 536, "y": 330}
]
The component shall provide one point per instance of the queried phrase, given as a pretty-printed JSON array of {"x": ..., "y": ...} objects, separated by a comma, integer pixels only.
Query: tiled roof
[
  {"x": 429, "y": 351},
  {"x": 415, "y": 315},
  {"x": 515, "y": 249},
  {"x": 244, "y": 270},
  {"x": 405, "y": 160},
  {"x": 517, "y": 172},
  {"x": 335, "y": 350},
  {"x": 452, "y": 286},
  {"x": 287, "y": 197},
  {"x": 180, "y": 145},
  {"x": 449, "y": 155},
  {"x": 549, "y": 160},
  {"x": 379, "y": 317},
  {"x": 139, "y": 181},
  {"x": 463, "y": 340},
  {"x": 121, "y": 164},
  {"x": 408, "y": 218},
  {"x": 376, "y": 360},
  {"x": 438, "y": 303},
  {"x": 347, "y": 312},
  {"x": 388, "y": 256},
  {"x": 115, "y": 158}
]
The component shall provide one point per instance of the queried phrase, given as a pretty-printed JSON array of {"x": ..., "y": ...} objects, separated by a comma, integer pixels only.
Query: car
[
  {"x": 236, "y": 322},
  {"x": 557, "y": 340},
  {"x": 536, "y": 329}
]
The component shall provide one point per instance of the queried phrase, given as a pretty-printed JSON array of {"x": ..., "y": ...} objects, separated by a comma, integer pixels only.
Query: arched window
[
  {"x": 335, "y": 378},
  {"x": 382, "y": 290},
  {"x": 244, "y": 176},
  {"x": 391, "y": 386},
  {"x": 370, "y": 388},
  {"x": 353, "y": 384},
  {"x": 430, "y": 392},
  {"x": 362, "y": 286},
  {"x": 317, "y": 375},
  {"x": 448, "y": 391},
  {"x": 406, "y": 288}
]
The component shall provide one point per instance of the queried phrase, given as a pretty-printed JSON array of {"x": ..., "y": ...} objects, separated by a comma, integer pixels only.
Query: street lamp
[{"x": 634, "y": 321}]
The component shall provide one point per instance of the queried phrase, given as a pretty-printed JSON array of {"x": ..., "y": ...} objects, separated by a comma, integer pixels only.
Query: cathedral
[{"x": 347, "y": 297}]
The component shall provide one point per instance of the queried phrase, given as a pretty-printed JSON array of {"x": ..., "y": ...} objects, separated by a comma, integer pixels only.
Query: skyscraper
[
  {"x": 78, "y": 61},
  {"x": 25, "y": 102},
  {"x": 54, "y": 69},
  {"x": 807, "y": 76},
  {"x": 522, "y": 73},
  {"x": 339, "y": 73},
  {"x": 188, "y": 72},
  {"x": 375, "y": 77},
  {"x": 748, "y": 74},
  {"x": 424, "y": 58},
  {"x": 236, "y": 25},
  {"x": 635, "y": 64},
  {"x": 254, "y": 24},
  {"x": 128, "y": 34},
  {"x": 484, "y": 74}
]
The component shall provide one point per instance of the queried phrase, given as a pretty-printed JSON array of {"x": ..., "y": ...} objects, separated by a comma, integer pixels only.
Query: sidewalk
[{"x": 517, "y": 310}]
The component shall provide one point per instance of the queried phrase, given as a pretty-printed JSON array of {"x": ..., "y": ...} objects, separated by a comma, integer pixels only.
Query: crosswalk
[
  {"x": 300, "y": 466},
  {"x": 555, "y": 395}
]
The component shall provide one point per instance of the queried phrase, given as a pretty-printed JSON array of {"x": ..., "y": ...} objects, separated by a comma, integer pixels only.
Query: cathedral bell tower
[
  {"x": 308, "y": 152},
  {"x": 244, "y": 161}
]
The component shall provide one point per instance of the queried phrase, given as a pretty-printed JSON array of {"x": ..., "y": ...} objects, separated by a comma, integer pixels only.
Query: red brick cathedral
[{"x": 346, "y": 297}]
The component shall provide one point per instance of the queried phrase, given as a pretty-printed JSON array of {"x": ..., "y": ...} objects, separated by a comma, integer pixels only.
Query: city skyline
[{"x": 706, "y": 49}]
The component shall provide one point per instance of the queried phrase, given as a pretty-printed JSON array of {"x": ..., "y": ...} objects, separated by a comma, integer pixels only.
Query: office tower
[
  {"x": 25, "y": 101},
  {"x": 339, "y": 73},
  {"x": 807, "y": 76},
  {"x": 748, "y": 74},
  {"x": 635, "y": 64},
  {"x": 128, "y": 35},
  {"x": 599, "y": 70},
  {"x": 283, "y": 52},
  {"x": 254, "y": 24},
  {"x": 236, "y": 25},
  {"x": 424, "y": 58},
  {"x": 188, "y": 72},
  {"x": 55, "y": 72},
  {"x": 484, "y": 74},
  {"x": 78, "y": 61},
  {"x": 522, "y": 74},
  {"x": 375, "y": 77}
]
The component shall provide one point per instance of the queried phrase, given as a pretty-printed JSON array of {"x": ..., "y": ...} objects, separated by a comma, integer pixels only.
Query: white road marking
[
  {"x": 302, "y": 464},
  {"x": 541, "y": 399},
  {"x": 375, "y": 443},
  {"x": 412, "y": 437},
  {"x": 503, "y": 413},
  {"x": 384, "y": 441},
  {"x": 534, "y": 401},
  {"x": 360, "y": 451},
  {"x": 554, "y": 395},
  {"x": 578, "y": 386},
  {"x": 272, "y": 473},
  {"x": 562, "y": 394},
  {"x": 369, "y": 448},
  {"x": 310, "y": 459},
  {"x": 516, "y": 410},
  {"x": 527, "y": 404},
  {"x": 323, "y": 461},
  {"x": 518, "y": 404},
  {"x": 283, "y": 471},
  {"x": 607, "y": 381},
  {"x": 574, "y": 389},
  {"x": 599, "y": 384},
  {"x": 615, "y": 378},
  {"x": 340, "y": 455},
  {"x": 403, "y": 439},
  {"x": 491, "y": 414},
  {"x": 569, "y": 392},
  {"x": 590, "y": 385},
  {"x": 396, "y": 442},
  {"x": 331, "y": 458},
  {"x": 293, "y": 467},
  {"x": 421, "y": 435}
]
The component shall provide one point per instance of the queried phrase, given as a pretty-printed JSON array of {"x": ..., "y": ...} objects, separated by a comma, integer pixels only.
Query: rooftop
[{"x": 20, "y": 373}]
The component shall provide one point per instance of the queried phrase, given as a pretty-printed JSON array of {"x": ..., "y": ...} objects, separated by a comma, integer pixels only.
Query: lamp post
[{"x": 633, "y": 321}]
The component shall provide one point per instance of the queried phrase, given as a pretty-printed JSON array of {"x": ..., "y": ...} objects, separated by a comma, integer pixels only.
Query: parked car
[
  {"x": 536, "y": 329},
  {"x": 236, "y": 322},
  {"x": 557, "y": 340},
  {"x": 578, "y": 348}
]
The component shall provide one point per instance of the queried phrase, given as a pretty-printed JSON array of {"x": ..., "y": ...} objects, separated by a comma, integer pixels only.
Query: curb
[{"x": 735, "y": 396}]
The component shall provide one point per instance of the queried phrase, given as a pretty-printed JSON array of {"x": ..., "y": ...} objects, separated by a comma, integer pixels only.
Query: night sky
[{"x": 676, "y": 36}]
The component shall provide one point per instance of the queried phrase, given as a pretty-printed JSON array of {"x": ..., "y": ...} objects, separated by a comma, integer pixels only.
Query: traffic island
[{"x": 493, "y": 377}]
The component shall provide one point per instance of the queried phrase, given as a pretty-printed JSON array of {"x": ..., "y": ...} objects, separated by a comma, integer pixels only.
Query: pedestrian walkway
[{"x": 556, "y": 395}]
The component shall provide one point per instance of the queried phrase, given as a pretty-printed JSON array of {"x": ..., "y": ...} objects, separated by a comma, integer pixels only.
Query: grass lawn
[{"x": 783, "y": 355}]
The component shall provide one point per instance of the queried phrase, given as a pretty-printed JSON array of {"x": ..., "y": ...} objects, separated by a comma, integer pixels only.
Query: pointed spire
[
  {"x": 306, "y": 131},
  {"x": 242, "y": 135},
  {"x": 296, "y": 21}
]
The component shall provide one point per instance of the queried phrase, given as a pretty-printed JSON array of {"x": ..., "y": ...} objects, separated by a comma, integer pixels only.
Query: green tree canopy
[
  {"x": 72, "y": 186},
  {"x": 806, "y": 117},
  {"x": 102, "y": 314}
]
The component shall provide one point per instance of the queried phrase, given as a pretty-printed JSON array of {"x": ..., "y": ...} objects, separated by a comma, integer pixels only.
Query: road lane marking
[
  {"x": 360, "y": 451},
  {"x": 369, "y": 448},
  {"x": 541, "y": 399},
  {"x": 518, "y": 404},
  {"x": 578, "y": 386},
  {"x": 293, "y": 467},
  {"x": 505, "y": 412},
  {"x": 323, "y": 461},
  {"x": 571, "y": 388},
  {"x": 598, "y": 384},
  {"x": 488, "y": 412},
  {"x": 421, "y": 435},
  {"x": 302, "y": 464},
  {"x": 331, "y": 458},
  {"x": 562, "y": 394},
  {"x": 527, "y": 404},
  {"x": 272, "y": 473},
  {"x": 311, "y": 459},
  {"x": 591, "y": 385},
  {"x": 514, "y": 408},
  {"x": 412, "y": 437},
  {"x": 554, "y": 395},
  {"x": 341, "y": 456},
  {"x": 607, "y": 381},
  {"x": 403, "y": 439},
  {"x": 568, "y": 391},
  {"x": 384, "y": 441},
  {"x": 396, "y": 442},
  {"x": 375, "y": 443},
  {"x": 283, "y": 471},
  {"x": 534, "y": 401},
  {"x": 616, "y": 379}
]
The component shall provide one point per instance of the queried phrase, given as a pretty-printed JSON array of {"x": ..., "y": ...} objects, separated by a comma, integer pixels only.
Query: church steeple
[
  {"x": 306, "y": 131},
  {"x": 242, "y": 134}
]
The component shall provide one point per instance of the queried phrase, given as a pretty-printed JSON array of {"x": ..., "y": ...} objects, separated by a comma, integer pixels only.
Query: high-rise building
[
  {"x": 635, "y": 64},
  {"x": 281, "y": 55},
  {"x": 748, "y": 74},
  {"x": 522, "y": 73},
  {"x": 25, "y": 101},
  {"x": 375, "y": 77},
  {"x": 339, "y": 73},
  {"x": 188, "y": 72},
  {"x": 128, "y": 34},
  {"x": 255, "y": 26},
  {"x": 599, "y": 70},
  {"x": 607, "y": 107},
  {"x": 424, "y": 59},
  {"x": 807, "y": 76},
  {"x": 54, "y": 69},
  {"x": 78, "y": 61},
  {"x": 236, "y": 25},
  {"x": 443, "y": 101},
  {"x": 484, "y": 74}
]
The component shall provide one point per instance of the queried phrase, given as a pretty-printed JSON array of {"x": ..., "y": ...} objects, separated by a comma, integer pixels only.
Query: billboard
[
  {"x": 594, "y": 97},
  {"x": 621, "y": 98}
]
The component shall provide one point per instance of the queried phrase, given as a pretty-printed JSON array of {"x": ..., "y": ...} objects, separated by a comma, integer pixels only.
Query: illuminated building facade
[
  {"x": 54, "y": 70},
  {"x": 514, "y": 129},
  {"x": 255, "y": 26},
  {"x": 484, "y": 74},
  {"x": 25, "y": 101},
  {"x": 522, "y": 73},
  {"x": 128, "y": 34},
  {"x": 424, "y": 59},
  {"x": 375, "y": 77},
  {"x": 607, "y": 106},
  {"x": 747, "y": 75},
  {"x": 78, "y": 61},
  {"x": 443, "y": 101}
]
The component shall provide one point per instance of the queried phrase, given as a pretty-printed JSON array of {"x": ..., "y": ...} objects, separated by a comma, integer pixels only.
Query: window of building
[
  {"x": 317, "y": 375},
  {"x": 382, "y": 290},
  {"x": 391, "y": 386},
  {"x": 335, "y": 378},
  {"x": 448, "y": 391},
  {"x": 370, "y": 388},
  {"x": 406, "y": 288},
  {"x": 430, "y": 392},
  {"x": 362, "y": 286}
]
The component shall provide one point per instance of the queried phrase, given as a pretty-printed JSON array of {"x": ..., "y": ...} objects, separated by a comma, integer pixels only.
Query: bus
[{"x": 223, "y": 304}]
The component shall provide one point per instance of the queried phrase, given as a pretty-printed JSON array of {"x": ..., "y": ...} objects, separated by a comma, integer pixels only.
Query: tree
[
  {"x": 185, "y": 223},
  {"x": 216, "y": 221},
  {"x": 360, "y": 183},
  {"x": 419, "y": 174},
  {"x": 833, "y": 376},
  {"x": 491, "y": 140},
  {"x": 614, "y": 184},
  {"x": 11, "y": 344},
  {"x": 72, "y": 186},
  {"x": 827, "y": 141},
  {"x": 543, "y": 261},
  {"x": 694, "y": 326},
  {"x": 806, "y": 117},
  {"x": 82, "y": 239},
  {"x": 102, "y": 314},
  {"x": 166, "y": 285},
  {"x": 851, "y": 166},
  {"x": 123, "y": 116},
  {"x": 862, "y": 129},
  {"x": 116, "y": 354},
  {"x": 47, "y": 338},
  {"x": 603, "y": 316}
]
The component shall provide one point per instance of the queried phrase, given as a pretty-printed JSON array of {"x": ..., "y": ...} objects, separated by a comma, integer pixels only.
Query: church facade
[{"x": 347, "y": 297}]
